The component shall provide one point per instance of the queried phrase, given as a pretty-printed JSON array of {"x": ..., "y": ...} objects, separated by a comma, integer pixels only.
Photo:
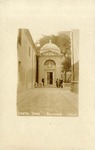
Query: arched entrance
[
  {"x": 49, "y": 71},
  {"x": 49, "y": 64}
]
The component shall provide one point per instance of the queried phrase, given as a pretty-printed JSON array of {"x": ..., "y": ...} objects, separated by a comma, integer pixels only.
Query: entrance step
[{"x": 50, "y": 86}]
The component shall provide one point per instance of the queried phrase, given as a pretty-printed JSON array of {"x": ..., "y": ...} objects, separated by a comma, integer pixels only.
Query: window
[
  {"x": 49, "y": 63},
  {"x": 29, "y": 52}
]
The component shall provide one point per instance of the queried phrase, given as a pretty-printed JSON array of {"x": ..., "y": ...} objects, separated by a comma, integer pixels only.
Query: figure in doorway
[{"x": 43, "y": 81}]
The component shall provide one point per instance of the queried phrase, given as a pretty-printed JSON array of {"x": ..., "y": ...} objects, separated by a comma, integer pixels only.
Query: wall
[
  {"x": 75, "y": 60},
  {"x": 26, "y": 61},
  {"x": 57, "y": 70}
]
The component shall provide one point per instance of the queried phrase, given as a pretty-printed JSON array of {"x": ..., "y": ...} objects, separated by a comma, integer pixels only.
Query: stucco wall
[
  {"x": 75, "y": 60},
  {"x": 26, "y": 61}
]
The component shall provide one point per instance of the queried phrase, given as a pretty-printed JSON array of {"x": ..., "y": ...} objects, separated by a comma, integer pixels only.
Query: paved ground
[{"x": 48, "y": 102}]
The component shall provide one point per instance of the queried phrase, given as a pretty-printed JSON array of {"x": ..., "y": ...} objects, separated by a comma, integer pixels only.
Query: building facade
[
  {"x": 46, "y": 65},
  {"x": 75, "y": 60},
  {"x": 26, "y": 61},
  {"x": 49, "y": 62}
]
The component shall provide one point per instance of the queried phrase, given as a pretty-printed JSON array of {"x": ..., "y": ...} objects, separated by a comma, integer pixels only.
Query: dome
[{"x": 50, "y": 47}]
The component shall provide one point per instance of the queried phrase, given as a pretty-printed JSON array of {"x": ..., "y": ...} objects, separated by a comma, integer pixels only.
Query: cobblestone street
[{"x": 48, "y": 102}]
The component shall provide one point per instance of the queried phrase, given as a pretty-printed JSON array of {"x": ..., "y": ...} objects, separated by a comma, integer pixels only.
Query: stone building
[
  {"x": 45, "y": 65},
  {"x": 26, "y": 60},
  {"x": 49, "y": 62},
  {"x": 75, "y": 60}
]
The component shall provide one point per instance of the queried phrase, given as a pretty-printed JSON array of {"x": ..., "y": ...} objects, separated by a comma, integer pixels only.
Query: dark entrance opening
[{"x": 49, "y": 77}]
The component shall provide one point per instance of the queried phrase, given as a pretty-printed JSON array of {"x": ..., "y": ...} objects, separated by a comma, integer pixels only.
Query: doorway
[{"x": 49, "y": 77}]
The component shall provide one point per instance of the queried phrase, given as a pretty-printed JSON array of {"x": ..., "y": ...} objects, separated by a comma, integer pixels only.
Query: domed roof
[{"x": 50, "y": 47}]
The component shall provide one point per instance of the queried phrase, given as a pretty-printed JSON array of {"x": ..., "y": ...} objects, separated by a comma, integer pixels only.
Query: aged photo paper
[{"x": 47, "y": 75}]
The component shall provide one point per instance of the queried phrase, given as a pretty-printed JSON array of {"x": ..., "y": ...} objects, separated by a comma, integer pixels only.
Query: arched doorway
[{"x": 49, "y": 71}]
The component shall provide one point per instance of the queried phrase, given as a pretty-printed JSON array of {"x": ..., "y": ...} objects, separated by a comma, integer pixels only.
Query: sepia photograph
[{"x": 48, "y": 74}]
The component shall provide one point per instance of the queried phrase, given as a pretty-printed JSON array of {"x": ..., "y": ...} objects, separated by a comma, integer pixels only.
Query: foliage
[
  {"x": 67, "y": 63},
  {"x": 62, "y": 41}
]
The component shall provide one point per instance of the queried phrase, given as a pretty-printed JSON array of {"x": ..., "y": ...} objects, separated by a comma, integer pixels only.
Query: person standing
[
  {"x": 57, "y": 83},
  {"x": 43, "y": 81}
]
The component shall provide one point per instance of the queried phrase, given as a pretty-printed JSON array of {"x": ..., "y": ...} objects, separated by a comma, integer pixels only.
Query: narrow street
[{"x": 48, "y": 102}]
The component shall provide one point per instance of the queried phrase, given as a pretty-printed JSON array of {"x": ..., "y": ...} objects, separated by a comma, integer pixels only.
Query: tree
[
  {"x": 62, "y": 41},
  {"x": 67, "y": 65}
]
